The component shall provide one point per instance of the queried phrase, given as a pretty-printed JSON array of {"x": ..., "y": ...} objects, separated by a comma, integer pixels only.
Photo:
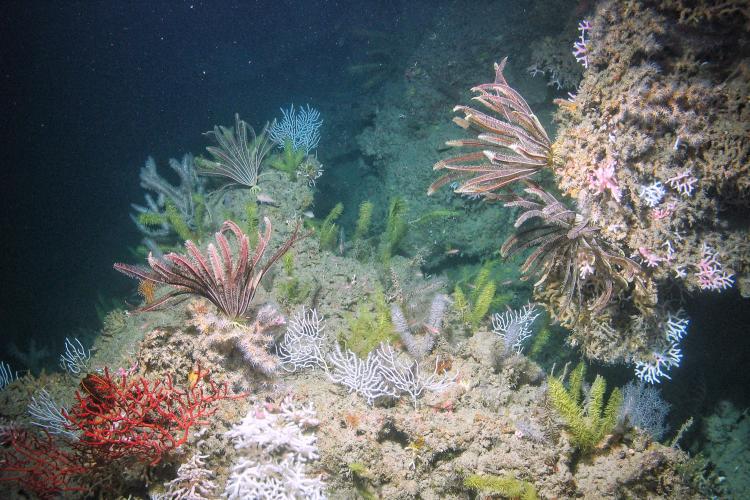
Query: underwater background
[{"x": 618, "y": 145}]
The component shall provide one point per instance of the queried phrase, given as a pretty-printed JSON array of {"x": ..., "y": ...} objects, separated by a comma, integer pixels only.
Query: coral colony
[
  {"x": 603, "y": 180},
  {"x": 580, "y": 47},
  {"x": 276, "y": 447},
  {"x": 663, "y": 360},
  {"x": 347, "y": 370},
  {"x": 711, "y": 274},
  {"x": 75, "y": 359},
  {"x": 514, "y": 327},
  {"x": 301, "y": 127},
  {"x": 7, "y": 375}
]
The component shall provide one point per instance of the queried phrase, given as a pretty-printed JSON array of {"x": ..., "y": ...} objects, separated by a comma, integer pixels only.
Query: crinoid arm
[
  {"x": 510, "y": 145},
  {"x": 567, "y": 251},
  {"x": 229, "y": 283}
]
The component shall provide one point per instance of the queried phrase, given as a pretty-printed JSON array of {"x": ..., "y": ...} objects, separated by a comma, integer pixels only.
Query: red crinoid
[
  {"x": 229, "y": 285},
  {"x": 511, "y": 146}
]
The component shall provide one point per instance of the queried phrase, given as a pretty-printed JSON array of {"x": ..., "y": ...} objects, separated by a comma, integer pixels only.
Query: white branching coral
[
  {"x": 303, "y": 343},
  {"x": 514, "y": 327},
  {"x": 274, "y": 446},
  {"x": 711, "y": 274},
  {"x": 652, "y": 194},
  {"x": 379, "y": 375},
  {"x": 676, "y": 326},
  {"x": 684, "y": 183},
  {"x": 7, "y": 375},
  {"x": 75, "y": 360},
  {"x": 663, "y": 360},
  {"x": 581, "y": 46},
  {"x": 45, "y": 412},
  {"x": 361, "y": 376},
  {"x": 193, "y": 482},
  {"x": 408, "y": 378},
  {"x": 299, "y": 127}
]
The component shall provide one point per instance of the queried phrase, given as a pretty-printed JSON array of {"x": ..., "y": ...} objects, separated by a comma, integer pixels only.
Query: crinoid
[
  {"x": 234, "y": 157},
  {"x": 511, "y": 146},
  {"x": 229, "y": 285},
  {"x": 568, "y": 252}
]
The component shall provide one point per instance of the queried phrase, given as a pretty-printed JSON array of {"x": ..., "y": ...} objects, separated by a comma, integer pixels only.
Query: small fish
[
  {"x": 309, "y": 214},
  {"x": 452, "y": 251},
  {"x": 193, "y": 378},
  {"x": 264, "y": 199}
]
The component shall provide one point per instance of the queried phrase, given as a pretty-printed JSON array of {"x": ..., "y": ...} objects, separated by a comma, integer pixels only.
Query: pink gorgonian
[{"x": 229, "y": 283}]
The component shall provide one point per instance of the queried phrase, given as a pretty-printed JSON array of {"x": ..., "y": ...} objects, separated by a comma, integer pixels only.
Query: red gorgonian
[
  {"x": 121, "y": 417},
  {"x": 36, "y": 463}
]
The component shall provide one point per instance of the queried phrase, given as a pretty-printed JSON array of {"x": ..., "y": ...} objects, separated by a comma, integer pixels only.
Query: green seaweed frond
[
  {"x": 288, "y": 160},
  {"x": 575, "y": 382},
  {"x": 505, "y": 486},
  {"x": 588, "y": 424},
  {"x": 480, "y": 280},
  {"x": 291, "y": 291},
  {"x": 541, "y": 339},
  {"x": 364, "y": 220},
  {"x": 151, "y": 219},
  {"x": 253, "y": 221},
  {"x": 482, "y": 303},
  {"x": 473, "y": 306},
  {"x": 288, "y": 262},
  {"x": 329, "y": 228},
  {"x": 460, "y": 304},
  {"x": 368, "y": 328},
  {"x": 178, "y": 223},
  {"x": 358, "y": 468},
  {"x": 361, "y": 476},
  {"x": 612, "y": 411},
  {"x": 395, "y": 228}
]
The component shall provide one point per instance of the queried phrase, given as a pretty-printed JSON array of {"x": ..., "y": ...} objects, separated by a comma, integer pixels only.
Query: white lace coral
[{"x": 274, "y": 448}]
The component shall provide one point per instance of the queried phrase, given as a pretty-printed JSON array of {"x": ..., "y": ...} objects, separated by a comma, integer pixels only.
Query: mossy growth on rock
[
  {"x": 504, "y": 486},
  {"x": 588, "y": 420}
]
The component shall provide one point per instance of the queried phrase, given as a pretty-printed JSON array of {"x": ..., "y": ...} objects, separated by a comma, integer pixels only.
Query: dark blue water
[{"x": 90, "y": 89}]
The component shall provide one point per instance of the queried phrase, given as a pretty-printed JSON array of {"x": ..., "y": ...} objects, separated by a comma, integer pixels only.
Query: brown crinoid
[
  {"x": 510, "y": 146},
  {"x": 568, "y": 252}
]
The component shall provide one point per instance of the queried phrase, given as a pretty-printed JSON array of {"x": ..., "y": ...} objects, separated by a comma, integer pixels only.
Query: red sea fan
[
  {"x": 229, "y": 285},
  {"x": 140, "y": 419},
  {"x": 38, "y": 464}
]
